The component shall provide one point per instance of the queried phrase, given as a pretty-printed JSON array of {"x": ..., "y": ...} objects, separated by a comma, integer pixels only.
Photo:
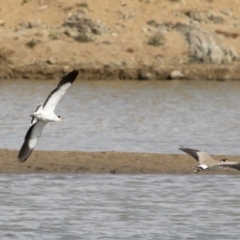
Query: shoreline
[
  {"x": 104, "y": 162},
  {"x": 210, "y": 72}
]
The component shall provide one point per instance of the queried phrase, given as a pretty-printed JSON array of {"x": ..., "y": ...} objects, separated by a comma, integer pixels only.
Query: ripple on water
[
  {"x": 153, "y": 116},
  {"x": 119, "y": 207}
]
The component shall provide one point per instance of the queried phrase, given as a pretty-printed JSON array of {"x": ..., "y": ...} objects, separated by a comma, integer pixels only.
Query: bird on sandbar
[
  {"x": 206, "y": 161},
  {"x": 43, "y": 114}
]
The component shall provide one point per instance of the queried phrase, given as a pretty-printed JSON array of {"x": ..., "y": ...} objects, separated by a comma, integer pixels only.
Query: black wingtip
[
  {"x": 22, "y": 160},
  {"x": 191, "y": 152},
  {"x": 181, "y": 147},
  {"x": 72, "y": 74},
  {"x": 24, "y": 152},
  {"x": 70, "y": 77}
]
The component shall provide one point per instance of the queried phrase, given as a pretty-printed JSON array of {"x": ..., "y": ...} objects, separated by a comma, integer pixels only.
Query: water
[
  {"x": 134, "y": 116},
  {"x": 119, "y": 207},
  {"x": 123, "y": 116}
]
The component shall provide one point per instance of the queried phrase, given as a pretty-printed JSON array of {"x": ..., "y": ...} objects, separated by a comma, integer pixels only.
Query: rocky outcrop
[
  {"x": 205, "y": 17},
  {"x": 205, "y": 47},
  {"x": 83, "y": 24}
]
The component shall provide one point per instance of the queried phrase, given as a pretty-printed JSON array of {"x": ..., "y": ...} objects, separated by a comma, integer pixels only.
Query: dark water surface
[{"x": 148, "y": 116}]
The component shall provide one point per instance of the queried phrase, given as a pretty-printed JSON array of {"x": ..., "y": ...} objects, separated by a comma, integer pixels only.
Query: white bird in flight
[
  {"x": 44, "y": 114},
  {"x": 206, "y": 161}
]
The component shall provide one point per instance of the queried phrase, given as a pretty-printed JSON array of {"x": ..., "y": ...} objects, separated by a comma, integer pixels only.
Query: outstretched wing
[
  {"x": 54, "y": 97},
  {"x": 31, "y": 138},
  {"x": 235, "y": 165},
  {"x": 191, "y": 152}
]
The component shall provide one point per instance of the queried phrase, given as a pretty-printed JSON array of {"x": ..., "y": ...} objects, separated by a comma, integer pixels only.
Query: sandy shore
[
  {"x": 138, "y": 39},
  {"x": 104, "y": 162}
]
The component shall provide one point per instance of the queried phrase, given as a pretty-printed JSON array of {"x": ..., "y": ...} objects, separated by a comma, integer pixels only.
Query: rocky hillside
[{"x": 121, "y": 39}]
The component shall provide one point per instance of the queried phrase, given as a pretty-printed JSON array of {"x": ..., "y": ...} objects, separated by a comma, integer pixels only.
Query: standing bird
[
  {"x": 206, "y": 161},
  {"x": 44, "y": 114}
]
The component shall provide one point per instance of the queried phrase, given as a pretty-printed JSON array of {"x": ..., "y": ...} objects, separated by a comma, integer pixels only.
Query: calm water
[
  {"x": 123, "y": 116},
  {"x": 119, "y": 207},
  {"x": 127, "y": 116}
]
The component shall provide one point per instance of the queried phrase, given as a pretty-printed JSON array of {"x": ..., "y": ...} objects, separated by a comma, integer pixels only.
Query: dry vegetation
[{"x": 94, "y": 34}]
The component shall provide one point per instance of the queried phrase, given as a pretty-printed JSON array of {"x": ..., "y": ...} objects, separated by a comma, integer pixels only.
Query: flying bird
[
  {"x": 43, "y": 114},
  {"x": 206, "y": 161}
]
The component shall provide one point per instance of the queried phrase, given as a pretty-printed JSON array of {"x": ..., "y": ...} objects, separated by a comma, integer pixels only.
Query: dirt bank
[
  {"x": 138, "y": 39},
  {"x": 103, "y": 162}
]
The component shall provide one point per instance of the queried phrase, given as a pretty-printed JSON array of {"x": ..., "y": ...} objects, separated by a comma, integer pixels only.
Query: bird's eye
[{"x": 59, "y": 116}]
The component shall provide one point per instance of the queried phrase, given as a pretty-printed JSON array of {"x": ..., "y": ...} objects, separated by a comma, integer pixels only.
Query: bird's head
[
  {"x": 60, "y": 119},
  {"x": 224, "y": 160}
]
